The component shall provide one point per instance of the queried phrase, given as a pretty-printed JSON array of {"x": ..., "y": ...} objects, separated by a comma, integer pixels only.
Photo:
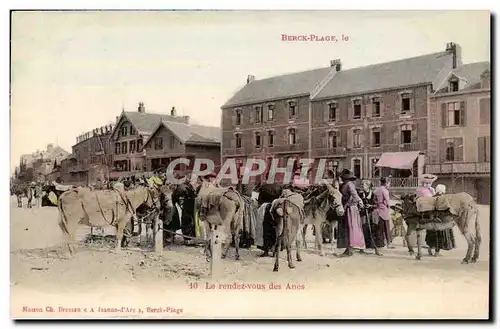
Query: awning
[{"x": 397, "y": 160}]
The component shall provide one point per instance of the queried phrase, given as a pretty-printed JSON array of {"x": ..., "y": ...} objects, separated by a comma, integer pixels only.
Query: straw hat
[{"x": 428, "y": 178}]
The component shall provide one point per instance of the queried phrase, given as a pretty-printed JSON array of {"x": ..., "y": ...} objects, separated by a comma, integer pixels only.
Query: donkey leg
[
  {"x": 304, "y": 231},
  {"x": 237, "y": 238},
  {"x": 319, "y": 244},
  {"x": 289, "y": 250},
  {"x": 120, "y": 227},
  {"x": 470, "y": 246},
  {"x": 297, "y": 247},
  {"x": 279, "y": 241},
  {"x": 332, "y": 240},
  {"x": 407, "y": 239},
  {"x": 419, "y": 247},
  {"x": 475, "y": 258}
]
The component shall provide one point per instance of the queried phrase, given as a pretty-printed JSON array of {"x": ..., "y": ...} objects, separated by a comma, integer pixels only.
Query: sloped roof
[
  {"x": 190, "y": 134},
  {"x": 404, "y": 72},
  {"x": 147, "y": 122},
  {"x": 283, "y": 86},
  {"x": 471, "y": 72}
]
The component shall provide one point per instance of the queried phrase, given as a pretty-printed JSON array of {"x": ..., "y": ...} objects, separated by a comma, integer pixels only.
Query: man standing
[{"x": 382, "y": 210}]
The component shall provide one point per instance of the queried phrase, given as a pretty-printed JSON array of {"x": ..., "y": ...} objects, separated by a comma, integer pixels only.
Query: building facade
[
  {"x": 460, "y": 131},
  {"x": 357, "y": 118},
  {"x": 90, "y": 159},
  {"x": 174, "y": 140},
  {"x": 269, "y": 118},
  {"x": 37, "y": 165}
]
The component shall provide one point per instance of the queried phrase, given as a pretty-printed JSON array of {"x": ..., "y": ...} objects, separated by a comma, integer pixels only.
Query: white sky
[{"x": 73, "y": 71}]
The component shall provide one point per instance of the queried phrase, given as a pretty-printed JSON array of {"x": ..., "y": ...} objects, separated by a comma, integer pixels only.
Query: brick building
[
  {"x": 147, "y": 141},
  {"x": 350, "y": 117},
  {"x": 172, "y": 140},
  {"x": 459, "y": 131},
  {"x": 90, "y": 159},
  {"x": 269, "y": 118},
  {"x": 373, "y": 119}
]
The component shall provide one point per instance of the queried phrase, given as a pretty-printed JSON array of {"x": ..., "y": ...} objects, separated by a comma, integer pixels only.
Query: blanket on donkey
[{"x": 454, "y": 203}]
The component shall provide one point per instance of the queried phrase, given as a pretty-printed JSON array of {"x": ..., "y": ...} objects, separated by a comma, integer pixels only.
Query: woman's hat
[
  {"x": 428, "y": 178},
  {"x": 346, "y": 174}
]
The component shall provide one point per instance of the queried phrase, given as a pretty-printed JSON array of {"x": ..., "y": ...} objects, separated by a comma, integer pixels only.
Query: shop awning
[{"x": 397, "y": 160}]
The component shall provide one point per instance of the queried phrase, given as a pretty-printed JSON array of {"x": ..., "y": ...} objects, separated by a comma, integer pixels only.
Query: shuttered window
[
  {"x": 453, "y": 114},
  {"x": 484, "y": 111}
]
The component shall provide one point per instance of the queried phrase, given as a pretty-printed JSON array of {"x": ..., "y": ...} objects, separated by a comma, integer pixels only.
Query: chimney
[
  {"x": 172, "y": 111},
  {"x": 336, "y": 63},
  {"x": 456, "y": 51},
  {"x": 141, "y": 108},
  {"x": 250, "y": 78},
  {"x": 186, "y": 118}
]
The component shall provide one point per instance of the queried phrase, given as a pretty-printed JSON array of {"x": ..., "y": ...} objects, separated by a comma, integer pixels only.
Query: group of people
[{"x": 367, "y": 220}]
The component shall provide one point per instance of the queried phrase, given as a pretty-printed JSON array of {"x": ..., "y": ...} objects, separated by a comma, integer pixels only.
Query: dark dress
[
  {"x": 440, "y": 240},
  {"x": 376, "y": 228}
]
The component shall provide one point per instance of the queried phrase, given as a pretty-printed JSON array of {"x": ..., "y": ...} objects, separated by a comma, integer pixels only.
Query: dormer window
[{"x": 453, "y": 85}]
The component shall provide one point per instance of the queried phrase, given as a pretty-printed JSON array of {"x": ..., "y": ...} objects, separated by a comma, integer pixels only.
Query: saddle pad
[{"x": 426, "y": 203}]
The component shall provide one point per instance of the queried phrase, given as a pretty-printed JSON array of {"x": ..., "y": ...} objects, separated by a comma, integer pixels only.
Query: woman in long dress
[
  {"x": 351, "y": 227},
  {"x": 439, "y": 240}
]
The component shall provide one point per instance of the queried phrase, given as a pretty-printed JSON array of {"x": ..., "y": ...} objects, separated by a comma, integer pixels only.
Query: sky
[{"x": 72, "y": 72}]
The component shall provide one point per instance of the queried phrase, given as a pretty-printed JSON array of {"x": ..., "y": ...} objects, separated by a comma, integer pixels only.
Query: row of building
[
  {"x": 426, "y": 114},
  {"x": 138, "y": 142}
]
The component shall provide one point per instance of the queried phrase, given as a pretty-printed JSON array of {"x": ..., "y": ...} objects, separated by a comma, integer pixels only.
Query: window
[
  {"x": 238, "y": 117},
  {"x": 356, "y": 109},
  {"x": 270, "y": 112},
  {"x": 483, "y": 149},
  {"x": 406, "y": 134},
  {"x": 292, "y": 110},
  {"x": 332, "y": 112},
  {"x": 270, "y": 138},
  {"x": 453, "y": 85},
  {"x": 124, "y": 130},
  {"x": 376, "y": 107},
  {"x": 484, "y": 111},
  {"x": 450, "y": 151},
  {"x": 332, "y": 165},
  {"x": 131, "y": 130},
  {"x": 259, "y": 115},
  {"x": 172, "y": 142},
  {"x": 257, "y": 140},
  {"x": 357, "y": 168},
  {"x": 376, "y": 137},
  {"x": 405, "y": 103},
  {"x": 454, "y": 117},
  {"x": 375, "y": 169},
  {"x": 132, "y": 146},
  {"x": 124, "y": 148},
  {"x": 292, "y": 136},
  {"x": 332, "y": 139},
  {"x": 158, "y": 143},
  {"x": 139, "y": 145},
  {"x": 238, "y": 141},
  {"x": 356, "y": 138}
]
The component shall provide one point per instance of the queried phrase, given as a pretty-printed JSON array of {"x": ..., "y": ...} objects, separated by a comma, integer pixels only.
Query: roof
[
  {"x": 471, "y": 72},
  {"x": 404, "y": 72},
  {"x": 283, "y": 86},
  {"x": 56, "y": 153},
  {"x": 190, "y": 134},
  {"x": 147, "y": 122}
]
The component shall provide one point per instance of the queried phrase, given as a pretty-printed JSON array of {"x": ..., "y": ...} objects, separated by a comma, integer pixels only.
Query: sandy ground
[{"x": 97, "y": 283}]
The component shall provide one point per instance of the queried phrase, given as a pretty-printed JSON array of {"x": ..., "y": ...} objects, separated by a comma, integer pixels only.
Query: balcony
[
  {"x": 234, "y": 151},
  {"x": 396, "y": 183},
  {"x": 290, "y": 148},
  {"x": 458, "y": 168},
  {"x": 332, "y": 152},
  {"x": 77, "y": 168},
  {"x": 406, "y": 147}
]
